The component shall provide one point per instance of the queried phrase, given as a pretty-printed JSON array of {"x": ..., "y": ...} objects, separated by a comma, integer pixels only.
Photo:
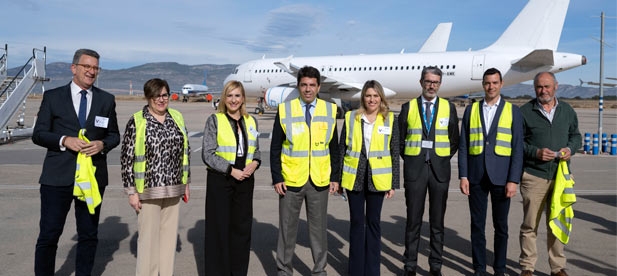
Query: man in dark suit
[
  {"x": 490, "y": 161},
  {"x": 430, "y": 127},
  {"x": 63, "y": 112}
]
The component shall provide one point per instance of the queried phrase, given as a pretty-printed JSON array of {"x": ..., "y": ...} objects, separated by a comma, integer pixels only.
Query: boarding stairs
[{"x": 15, "y": 89}]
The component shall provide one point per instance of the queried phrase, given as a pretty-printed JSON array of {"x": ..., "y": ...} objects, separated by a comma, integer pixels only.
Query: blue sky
[{"x": 130, "y": 33}]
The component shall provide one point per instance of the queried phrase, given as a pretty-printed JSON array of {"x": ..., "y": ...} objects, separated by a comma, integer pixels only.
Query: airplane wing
[
  {"x": 329, "y": 84},
  {"x": 438, "y": 40}
]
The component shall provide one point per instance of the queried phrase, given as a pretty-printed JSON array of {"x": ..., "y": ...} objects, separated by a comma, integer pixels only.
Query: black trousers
[
  {"x": 478, "y": 202},
  {"x": 364, "y": 232},
  {"x": 415, "y": 196},
  {"x": 55, "y": 205},
  {"x": 229, "y": 218}
]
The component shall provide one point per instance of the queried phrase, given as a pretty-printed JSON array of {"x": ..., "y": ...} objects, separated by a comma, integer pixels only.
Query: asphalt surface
[{"x": 591, "y": 251}]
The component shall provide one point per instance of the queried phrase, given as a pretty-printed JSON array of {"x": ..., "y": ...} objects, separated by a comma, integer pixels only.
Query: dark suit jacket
[
  {"x": 57, "y": 118},
  {"x": 500, "y": 169},
  {"x": 440, "y": 165}
]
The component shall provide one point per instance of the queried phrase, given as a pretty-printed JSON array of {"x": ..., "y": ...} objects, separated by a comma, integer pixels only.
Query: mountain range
[{"x": 119, "y": 81}]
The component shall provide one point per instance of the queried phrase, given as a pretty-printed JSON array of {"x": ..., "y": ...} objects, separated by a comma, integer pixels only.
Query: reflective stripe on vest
[
  {"x": 139, "y": 164},
  {"x": 503, "y": 143},
  {"x": 305, "y": 151},
  {"x": 227, "y": 147},
  {"x": 379, "y": 156},
  {"x": 413, "y": 138},
  {"x": 86, "y": 186}
]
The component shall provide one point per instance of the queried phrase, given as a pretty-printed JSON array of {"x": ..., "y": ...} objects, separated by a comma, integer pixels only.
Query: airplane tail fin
[
  {"x": 537, "y": 26},
  {"x": 438, "y": 41},
  {"x": 205, "y": 77}
]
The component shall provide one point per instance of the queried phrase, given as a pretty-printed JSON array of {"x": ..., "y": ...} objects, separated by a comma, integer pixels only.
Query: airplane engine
[{"x": 276, "y": 95}]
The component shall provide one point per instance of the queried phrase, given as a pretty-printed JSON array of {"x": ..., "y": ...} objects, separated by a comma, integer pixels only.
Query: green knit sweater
[{"x": 540, "y": 133}]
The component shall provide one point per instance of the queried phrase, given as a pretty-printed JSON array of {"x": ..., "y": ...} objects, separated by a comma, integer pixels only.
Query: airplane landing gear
[{"x": 260, "y": 106}]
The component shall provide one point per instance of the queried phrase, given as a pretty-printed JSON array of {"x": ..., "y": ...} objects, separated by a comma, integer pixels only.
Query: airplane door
[
  {"x": 477, "y": 69},
  {"x": 249, "y": 73}
]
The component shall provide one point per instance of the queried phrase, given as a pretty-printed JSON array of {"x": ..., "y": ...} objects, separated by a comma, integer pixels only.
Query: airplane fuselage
[{"x": 398, "y": 73}]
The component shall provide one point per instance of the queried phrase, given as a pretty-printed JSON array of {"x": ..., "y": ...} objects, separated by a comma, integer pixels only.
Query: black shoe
[
  {"x": 435, "y": 273},
  {"x": 479, "y": 273},
  {"x": 500, "y": 274},
  {"x": 410, "y": 273}
]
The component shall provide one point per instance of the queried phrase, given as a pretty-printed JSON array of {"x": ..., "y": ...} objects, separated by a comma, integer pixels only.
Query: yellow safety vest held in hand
[
  {"x": 562, "y": 200},
  {"x": 503, "y": 143},
  {"x": 86, "y": 187},
  {"x": 379, "y": 157},
  {"x": 139, "y": 164},
  {"x": 227, "y": 148},
  {"x": 413, "y": 138},
  {"x": 306, "y": 150}
]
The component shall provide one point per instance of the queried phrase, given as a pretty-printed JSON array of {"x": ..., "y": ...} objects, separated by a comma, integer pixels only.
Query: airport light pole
[{"x": 601, "y": 103}]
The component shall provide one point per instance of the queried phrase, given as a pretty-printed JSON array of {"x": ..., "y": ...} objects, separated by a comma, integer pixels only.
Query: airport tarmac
[{"x": 592, "y": 249}]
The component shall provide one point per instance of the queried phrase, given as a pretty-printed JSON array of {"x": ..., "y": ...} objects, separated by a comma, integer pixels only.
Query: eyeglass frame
[
  {"x": 89, "y": 67},
  {"x": 164, "y": 97},
  {"x": 431, "y": 83}
]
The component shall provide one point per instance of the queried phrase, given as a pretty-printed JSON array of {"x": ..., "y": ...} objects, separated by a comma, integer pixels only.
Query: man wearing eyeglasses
[
  {"x": 430, "y": 127},
  {"x": 64, "y": 111}
]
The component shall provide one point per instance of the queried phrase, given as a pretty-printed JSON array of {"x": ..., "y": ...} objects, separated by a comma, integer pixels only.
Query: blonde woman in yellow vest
[
  {"x": 370, "y": 157},
  {"x": 230, "y": 149},
  {"x": 304, "y": 166},
  {"x": 155, "y": 172}
]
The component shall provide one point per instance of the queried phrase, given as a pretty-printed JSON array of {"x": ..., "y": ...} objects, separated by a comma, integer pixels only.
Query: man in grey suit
[
  {"x": 490, "y": 161},
  {"x": 304, "y": 159},
  {"x": 63, "y": 112}
]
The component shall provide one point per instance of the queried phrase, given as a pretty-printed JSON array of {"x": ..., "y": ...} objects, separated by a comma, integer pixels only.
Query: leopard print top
[{"x": 164, "y": 146}]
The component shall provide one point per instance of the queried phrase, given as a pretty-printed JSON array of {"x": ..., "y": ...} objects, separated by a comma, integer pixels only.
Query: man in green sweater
[{"x": 551, "y": 134}]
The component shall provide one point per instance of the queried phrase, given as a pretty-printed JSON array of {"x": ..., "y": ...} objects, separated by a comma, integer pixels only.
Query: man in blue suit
[
  {"x": 63, "y": 112},
  {"x": 490, "y": 161}
]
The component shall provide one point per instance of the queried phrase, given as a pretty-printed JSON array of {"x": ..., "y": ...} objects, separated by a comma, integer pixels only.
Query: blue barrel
[
  {"x": 613, "y": 144},
  {"x": 604, "y": 143},
  {"x": 595, "y": 144},
  {"x": 587, "y": 146}
]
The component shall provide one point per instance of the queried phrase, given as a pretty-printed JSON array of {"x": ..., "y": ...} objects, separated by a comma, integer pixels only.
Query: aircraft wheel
[{"x": 259, "y": 111}]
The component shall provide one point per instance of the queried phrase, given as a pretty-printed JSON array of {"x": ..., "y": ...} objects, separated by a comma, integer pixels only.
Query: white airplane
[
  {"x": 526, "y": 47},
  {"x": 194, "y": 90}
]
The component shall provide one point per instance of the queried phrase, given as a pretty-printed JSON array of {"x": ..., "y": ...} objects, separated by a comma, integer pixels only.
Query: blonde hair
[
  {"x": 383, "y": 106},
  {"x": 230, "y": 86}
]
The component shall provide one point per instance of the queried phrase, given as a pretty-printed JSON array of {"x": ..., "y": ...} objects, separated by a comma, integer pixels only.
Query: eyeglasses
[
  {"x": 431, "y": 83},
  {"x": 89, "y": 67},
  {"x": 161, "y": 96}
]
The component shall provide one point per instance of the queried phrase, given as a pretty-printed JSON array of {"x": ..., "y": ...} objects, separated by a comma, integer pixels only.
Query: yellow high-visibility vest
[
  {"x": 227, "y": 148},
  {"x": 562, "y": 200},
  {"x": 413, "y": 138},
  {"x": 139, "y": 164},
  {"x": 86, "y": 187},
  {"x": 378, "y": 154},
  {"x": 306, "y": 151},
  {"x": 503, "y": 143}
]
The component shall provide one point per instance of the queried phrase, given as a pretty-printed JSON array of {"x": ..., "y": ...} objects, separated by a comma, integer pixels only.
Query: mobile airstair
[{"x": 15, "y": 89}]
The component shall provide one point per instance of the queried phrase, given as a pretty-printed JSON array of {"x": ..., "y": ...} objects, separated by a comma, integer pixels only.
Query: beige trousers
[
  {"x": 157, "y": 224},
  {"x": 536, "y": 194}
]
